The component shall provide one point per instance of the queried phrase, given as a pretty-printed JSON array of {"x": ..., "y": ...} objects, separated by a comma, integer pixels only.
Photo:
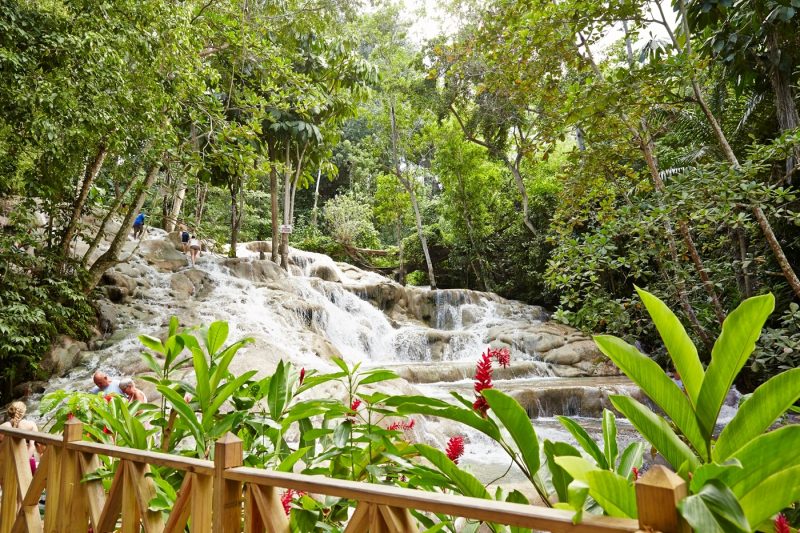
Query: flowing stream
[{"x": 433, "y": 339}]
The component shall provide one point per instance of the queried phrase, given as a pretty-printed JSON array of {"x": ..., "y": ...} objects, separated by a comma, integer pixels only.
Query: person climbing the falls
[
  {"x": 194, "y": 249},
  {"x": 104, "y": 384},
  {"x": 138, "y": 226},
  {"x": 185, "y": 238}
]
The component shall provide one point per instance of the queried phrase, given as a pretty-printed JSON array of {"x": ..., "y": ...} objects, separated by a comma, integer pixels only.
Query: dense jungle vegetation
[{"x": 558, "y": 153}]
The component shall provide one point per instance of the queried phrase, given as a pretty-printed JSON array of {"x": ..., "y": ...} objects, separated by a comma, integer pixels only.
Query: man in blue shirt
[
  {"x": 138, "y": 226},
  {"x": 103, "y": 383}
]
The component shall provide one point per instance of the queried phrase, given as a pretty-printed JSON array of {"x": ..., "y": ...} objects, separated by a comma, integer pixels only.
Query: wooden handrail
[
  {"x": 512, "y": 514},
  {"x": 237, "y": 493}
]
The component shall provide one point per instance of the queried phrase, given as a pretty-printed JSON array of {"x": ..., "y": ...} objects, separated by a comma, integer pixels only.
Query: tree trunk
[
  {"x": 316, "y": 199},
  {"x": 92, "y": 170},
  {"x": 287, "y": 194},
  {"x": 399, "y": 234},
  {"x": 233, "y": 187},
  {"x": 202, "y": 192},
  {"x": 111, "y": 256},
  {"x": 410, "y": 189},
  {"x": 273, "y": 195},
  {"x": 785, "y": 107},
  {"x": 111, "y": 212},
  {"x": 177, "y": 205}
]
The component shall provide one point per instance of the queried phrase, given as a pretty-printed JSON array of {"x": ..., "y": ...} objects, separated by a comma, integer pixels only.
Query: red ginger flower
[
  {"x": 782, "y": 525},
  {"x": 287, "y": 497},
  {"x": 400, "y": 425},
  {"x": 635, "y": 473},
  {"x": 455, "y": 448},
  {"x": 483, "y": 373},
  {"x": 502, "y": 355},
  {"x": 302, "y": 375},
  {"x": 355, "y": 405},
  {"x": 108, "y": 398}
]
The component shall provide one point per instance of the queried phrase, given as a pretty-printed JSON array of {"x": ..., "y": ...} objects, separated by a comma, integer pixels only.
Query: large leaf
[
  {"x": 278, "y": 387},
  {"x": 610, "y": 449},
  {"x": 657, "y": 385},
  {"x": 585, "y": 440},
  {"x": 558, "y": 476},
  {"x": 767, "y": 403},
  {"x": 656, "y": 430},
  {"x": 772, "y": 495},
  {"x": 152, "y": 343},
  {"x": 467, "y": 484},
  {"x": 519, "y": 426},
  {"x": 378, "y": 375},
  {"x": 216, "y": 336},
  {"x": 630, "y": 458},
  {"x": 681, "y": 349},
  {"x": 185, "y": 412},
  {"x": 714, "y": 509},
  {"x": 429, "y": 406},
  {"x": 225, "y": 392},
  {"x": 763, "y": 457},
  {"x": 615, "y": 494},
  {"x": 740, "y": 331},
  {"x": 203, "y": 387}
]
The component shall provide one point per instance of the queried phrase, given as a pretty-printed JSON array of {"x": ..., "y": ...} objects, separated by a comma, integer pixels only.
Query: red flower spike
[
  {"x": 70, "y": 416},
  {"x": 108, "y": 398},
  {"x": 455, "y": 448},
  {"x": 782, "y": 525},
  {"x": 483, "y": 373},
  {"x": 480, "y": 405},
  {"x": 355, "y": 405},
  {"x": 635, "y": 473},
  {"x": 399, "y": 425},
  {"x": 106, "y": 430},
  {"x": 302, "y": 375},
  {"x": 502, "y": 355},
  {"x": 287, "y": 497}
]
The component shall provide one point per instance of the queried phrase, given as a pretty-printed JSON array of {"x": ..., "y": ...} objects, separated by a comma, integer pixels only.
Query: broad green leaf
[
  {"x": 223, "y": 362},
  {"x": 341, "y": 435},
  {"x": 277, "y": 391},
  {"x": 630, "y": 458},
  {"x": 216, "y": 336},
  {"x": 151, "y": 363},
  {"x": 341, "y": 364},
  {"x": 288, "y": 463},
  {"x": 432, "y": 407},
  {"x": 585, "y": 440},
  {"x": 173, "y": 326},
  {"x": 519, "y": 426},
  {"x": 656, "y": 430},
  {"x": 767, "y": 403},
  {"x": 225, "y": 392},
  {"x": 185, "y": 412},
  {"x": 615, "y": 494},
  {"x": 152, "y": 343},
  {"x": 516, "y": 496},
  {"x": 714, "y": 509},
  {"x": 558, "y": 476},
  {"x": 657, "y": 385},
  {"x": 711, "y": 471},
  {"x": 577, "y": 493},
  {"x": 375, "y": 376},
  {"x": 467, "y": 484},
  {"x": 577, "y": 467},
  {"x": 740, "y": 331},
  {"x": 610, "y": 449},
  {"x": 203, "y": 386},
  {"x": 763, "y": 457},
  {"x": 774, "y": 494},
  {"x": 681, "y": 349}
]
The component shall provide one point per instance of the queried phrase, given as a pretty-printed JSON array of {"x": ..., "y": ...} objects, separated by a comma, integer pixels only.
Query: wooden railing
[{"x": 222, "y": 496}]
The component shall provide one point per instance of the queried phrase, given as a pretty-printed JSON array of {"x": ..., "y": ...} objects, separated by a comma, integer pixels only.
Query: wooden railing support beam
[
  {"x": 227, "y": 503},
  {"x": 657, "y": 495}
]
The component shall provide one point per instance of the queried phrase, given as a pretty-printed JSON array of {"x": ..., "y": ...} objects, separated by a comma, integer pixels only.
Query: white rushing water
[{"x": 432, "y": 338}]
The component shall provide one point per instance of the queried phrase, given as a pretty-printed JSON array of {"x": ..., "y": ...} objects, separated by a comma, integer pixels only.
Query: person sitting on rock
[
  {"x": 103, "y": 383},
  {"x": 130, "y": 390},
  {"x": 194, "y": 247}
]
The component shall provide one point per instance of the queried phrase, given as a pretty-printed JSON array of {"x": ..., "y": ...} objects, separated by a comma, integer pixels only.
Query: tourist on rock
[
  {"x": 185, "y": 238},
  {"x": 16, "y": 419},
  {"x": 102, "y": 383},
  {"x": 138, "y": 226},
  {"x": 130, "y": 390},
  {"x": 194, "y": 248}
]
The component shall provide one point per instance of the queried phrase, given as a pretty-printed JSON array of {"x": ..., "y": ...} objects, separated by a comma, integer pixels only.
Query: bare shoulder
[{"x": 28, "y": 425}]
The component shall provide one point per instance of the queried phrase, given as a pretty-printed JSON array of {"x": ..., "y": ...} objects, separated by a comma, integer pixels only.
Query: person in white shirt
[{"x": 194, "y": 249}]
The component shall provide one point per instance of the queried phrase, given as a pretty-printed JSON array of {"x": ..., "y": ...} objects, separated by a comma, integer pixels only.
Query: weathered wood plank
[{"x": 179, "y": 516}]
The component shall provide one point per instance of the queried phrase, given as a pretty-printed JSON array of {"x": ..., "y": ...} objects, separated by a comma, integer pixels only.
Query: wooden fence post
[
  {"x": 657, "y": 495},
  {"x": 227, "y": 504}
]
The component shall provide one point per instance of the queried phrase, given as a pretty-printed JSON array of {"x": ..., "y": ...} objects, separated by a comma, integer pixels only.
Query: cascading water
[{"x": 431, "y": 338}]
